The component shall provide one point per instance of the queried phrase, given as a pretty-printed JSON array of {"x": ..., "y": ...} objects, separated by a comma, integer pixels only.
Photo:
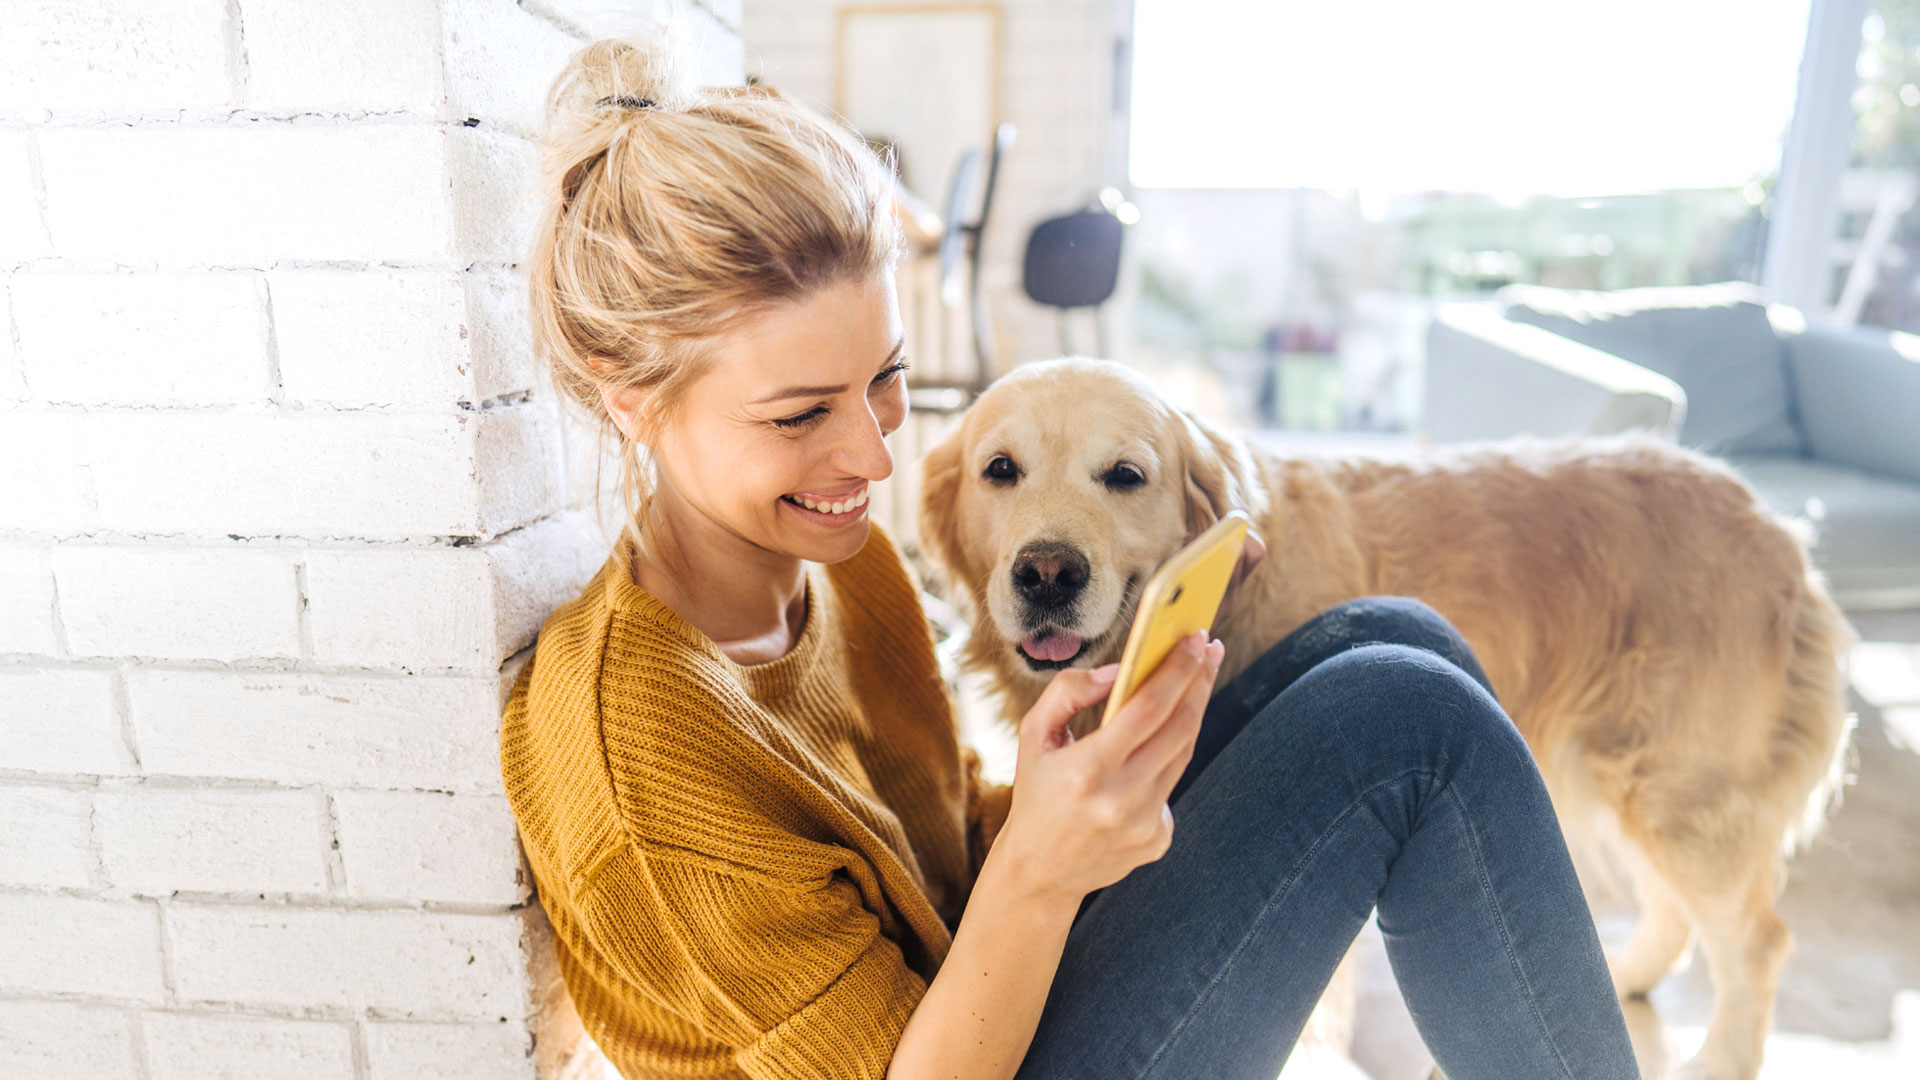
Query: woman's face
[{"x": 795, "y": 409}]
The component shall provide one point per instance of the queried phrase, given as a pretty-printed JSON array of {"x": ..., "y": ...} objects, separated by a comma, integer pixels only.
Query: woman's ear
[
  {"x": 627, "y": 405},
  {"x": 938, "y": 518}
]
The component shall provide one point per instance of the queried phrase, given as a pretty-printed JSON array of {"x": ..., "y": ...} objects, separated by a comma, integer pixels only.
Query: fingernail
[
  {"x": 1216, "y": 652},
  {"x": 1196, "y": 643},
  {"x": 1104, "y": 673}
]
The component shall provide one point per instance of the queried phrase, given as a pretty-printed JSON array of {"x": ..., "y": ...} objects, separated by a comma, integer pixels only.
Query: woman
[{"x": 736, "y": 770}]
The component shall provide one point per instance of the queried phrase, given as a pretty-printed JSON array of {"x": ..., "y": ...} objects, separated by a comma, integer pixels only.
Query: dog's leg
[
  {"x": 1660, "y": 937},
  {"x": 1746, "y": 945}
]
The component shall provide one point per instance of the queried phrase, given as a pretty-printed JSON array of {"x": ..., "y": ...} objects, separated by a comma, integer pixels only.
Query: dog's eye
[
  {"x": 1122, "y": 477},
  {"x": 1002, "y": 469}
]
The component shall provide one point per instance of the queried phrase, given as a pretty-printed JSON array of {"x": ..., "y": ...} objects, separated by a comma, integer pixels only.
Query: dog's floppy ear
[
  {"x": 938, "y": 516},
  {"x": 1217, "y": 471}
]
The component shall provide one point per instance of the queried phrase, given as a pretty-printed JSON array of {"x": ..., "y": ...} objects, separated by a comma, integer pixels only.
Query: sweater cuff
[{"x": 850, "y": 1030}]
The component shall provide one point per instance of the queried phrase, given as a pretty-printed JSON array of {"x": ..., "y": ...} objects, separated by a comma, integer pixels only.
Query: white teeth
[{"x": 842, "y": 507}]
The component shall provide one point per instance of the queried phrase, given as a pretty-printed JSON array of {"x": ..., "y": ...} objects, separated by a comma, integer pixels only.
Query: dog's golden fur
[{"x": 1660, "y": 639}]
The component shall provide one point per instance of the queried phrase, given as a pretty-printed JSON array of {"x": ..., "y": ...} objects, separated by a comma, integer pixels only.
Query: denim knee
[
  {"x": 1400, "y": 620},
  {"x": 1407, "y": 706}
]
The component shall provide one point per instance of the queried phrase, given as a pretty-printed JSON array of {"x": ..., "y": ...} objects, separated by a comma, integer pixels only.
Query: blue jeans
[{"x": 1361, "y": 761}]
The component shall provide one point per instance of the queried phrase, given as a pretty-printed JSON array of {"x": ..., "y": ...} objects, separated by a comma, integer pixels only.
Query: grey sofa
[{"x": 1823, "y": 422}]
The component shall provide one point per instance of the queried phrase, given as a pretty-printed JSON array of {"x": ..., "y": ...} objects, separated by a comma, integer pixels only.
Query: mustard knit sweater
[{"x": 750, "y": 870}]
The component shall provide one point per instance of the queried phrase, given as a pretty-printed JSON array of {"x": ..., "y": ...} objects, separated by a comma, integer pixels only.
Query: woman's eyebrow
[{"x": 820, "y": 391}]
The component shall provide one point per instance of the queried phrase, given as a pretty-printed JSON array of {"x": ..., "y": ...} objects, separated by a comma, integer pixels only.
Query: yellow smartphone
[{"x": 1181, "y": 597}]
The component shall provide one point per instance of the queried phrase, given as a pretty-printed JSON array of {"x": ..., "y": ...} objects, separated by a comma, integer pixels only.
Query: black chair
[{"x": 1073, "y": 261}]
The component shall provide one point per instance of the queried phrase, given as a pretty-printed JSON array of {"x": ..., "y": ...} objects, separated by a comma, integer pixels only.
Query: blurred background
[{"x": 284, "y": 495}]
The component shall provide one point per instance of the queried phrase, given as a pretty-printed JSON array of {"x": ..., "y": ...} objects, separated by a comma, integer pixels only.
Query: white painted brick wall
[
  {"x": 58, "y": 944},
  {"x": 49, "y": 836},
  {"x": 134, "y": 324},
  {"x": 158, "y": 839},
  {"x": 286, "y": 501},
  {"x": 183, "y": 1046},
  {"x": 53, "y": 1040}
]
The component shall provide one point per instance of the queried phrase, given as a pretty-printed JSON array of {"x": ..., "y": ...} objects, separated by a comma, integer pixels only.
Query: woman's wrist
[{"x": 1025, "y": 881}]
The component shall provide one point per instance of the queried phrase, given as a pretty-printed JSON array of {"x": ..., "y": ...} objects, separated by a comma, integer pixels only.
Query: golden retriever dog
[{"x": 1659, "y": 638}]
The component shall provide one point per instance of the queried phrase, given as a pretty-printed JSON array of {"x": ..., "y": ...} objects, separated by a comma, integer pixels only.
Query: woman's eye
[
  {"x": 1122, "y": 478},
  {"x": 1002, "y": 469},
  {"x": 803, "y": 419},
  {"x": 818, "y": 411}
]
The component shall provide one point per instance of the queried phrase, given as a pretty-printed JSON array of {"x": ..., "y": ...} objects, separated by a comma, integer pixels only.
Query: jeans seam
[
  {"x": 1267, "y": 908},
  {"x": 1499, "y": 921}
]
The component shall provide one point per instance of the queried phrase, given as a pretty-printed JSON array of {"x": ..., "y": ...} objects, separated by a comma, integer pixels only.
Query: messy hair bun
[{"x": 666, "y": 225}]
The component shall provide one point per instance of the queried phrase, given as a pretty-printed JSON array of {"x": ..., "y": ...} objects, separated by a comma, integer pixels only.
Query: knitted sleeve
[{"x": 795, "y": 977}]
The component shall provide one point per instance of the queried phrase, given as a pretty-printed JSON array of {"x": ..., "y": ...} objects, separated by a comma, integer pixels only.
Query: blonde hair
[{"x": 672, "y": 213}]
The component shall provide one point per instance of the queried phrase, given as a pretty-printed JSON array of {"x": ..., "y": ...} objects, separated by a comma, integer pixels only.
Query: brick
[
  {"x": 387, "y": 732},
  {"x": 26, "y": 618},
  {"x": 178, "y": 603},
  {"x": 69, "y": 945},
  {"x": 372, "y": 337},
  {"x": 412, "y": 845},
  {"x": 516, "y": 455},
  {"x": 198, "y": 1046},
  {"x": 323, "y": 473},
  {"x": 501, "y": 334},
  {"x": 13, "y": 384},
  {"x": 48, "y": 841},
  {"x": 250, "y": 192},
  {"x": 494, "y": 179},
  {"x": 396, "y": 337},
  {"x": 56, "y": 1040},
  {"x": 538, "y": 568},
  {"x": 193, "y": 339},
  {"x": 436, "y": 966},
  {"x": 414, "y": 609},
  {"x": 23, "y": 235},
  {"x": 157, "y": 839},
  {"x": 488, "y": 1051},
  {"x": 499, "y": 62},
  {"x": 462, "y": 609},
  {"x": 44, "y": 473},
  {"x": 60, "y": 720},
  {"x": 85, "y": 55},
  {"x": 358, "y": 55}
]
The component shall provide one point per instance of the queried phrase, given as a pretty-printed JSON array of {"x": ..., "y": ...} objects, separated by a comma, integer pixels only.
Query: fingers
[
  {"x": 1174, "y": 740},
  {"x": 1142, "y": 713},
  {"x": 1069, "y": 691}
]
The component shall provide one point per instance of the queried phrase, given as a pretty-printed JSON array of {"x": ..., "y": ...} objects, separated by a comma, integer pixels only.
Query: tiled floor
[{"x": 1849, "y": 1001}]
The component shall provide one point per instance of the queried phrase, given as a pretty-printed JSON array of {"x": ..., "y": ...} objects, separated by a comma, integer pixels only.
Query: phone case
[{"x": 1181, "y": 597}]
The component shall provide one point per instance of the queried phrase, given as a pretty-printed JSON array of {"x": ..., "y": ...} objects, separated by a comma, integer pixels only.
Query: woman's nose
[{"x": 864, "y": 451}]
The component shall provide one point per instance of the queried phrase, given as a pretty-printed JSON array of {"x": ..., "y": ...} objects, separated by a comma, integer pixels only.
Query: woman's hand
[{"x": 1086, "y": 812}]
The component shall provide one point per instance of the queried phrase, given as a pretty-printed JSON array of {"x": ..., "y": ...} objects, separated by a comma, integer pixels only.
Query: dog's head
[{"x": 1054, "y": 499}]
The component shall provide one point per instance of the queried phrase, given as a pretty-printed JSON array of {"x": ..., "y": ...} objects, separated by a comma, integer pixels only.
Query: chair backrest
[{"x": 1714, "y": 340}]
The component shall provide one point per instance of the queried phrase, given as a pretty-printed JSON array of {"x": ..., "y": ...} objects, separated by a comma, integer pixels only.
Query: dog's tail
[{"x": 1813, "y": 736}]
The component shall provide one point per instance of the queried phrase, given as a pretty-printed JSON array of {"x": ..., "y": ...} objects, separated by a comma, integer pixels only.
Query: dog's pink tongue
[{"x": 1051, "y": 645}]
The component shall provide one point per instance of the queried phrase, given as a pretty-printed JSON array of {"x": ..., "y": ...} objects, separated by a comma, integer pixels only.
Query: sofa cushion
[
  {"x": 1867, "y": 527},
  {"x": 1714, "y": 340}
]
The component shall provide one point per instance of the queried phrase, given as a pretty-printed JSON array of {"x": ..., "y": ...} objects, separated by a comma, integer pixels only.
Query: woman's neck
[{"x": 751, "y": 602}]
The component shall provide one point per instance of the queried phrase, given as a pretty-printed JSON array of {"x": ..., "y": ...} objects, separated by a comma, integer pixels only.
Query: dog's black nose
[{"x": 1049, "y": 575}]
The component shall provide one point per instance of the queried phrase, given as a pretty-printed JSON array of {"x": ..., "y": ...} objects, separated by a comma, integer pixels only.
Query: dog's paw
[
  {"x": 1709, "y": 1066},
  {"x": 1629, "y": 982}
]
